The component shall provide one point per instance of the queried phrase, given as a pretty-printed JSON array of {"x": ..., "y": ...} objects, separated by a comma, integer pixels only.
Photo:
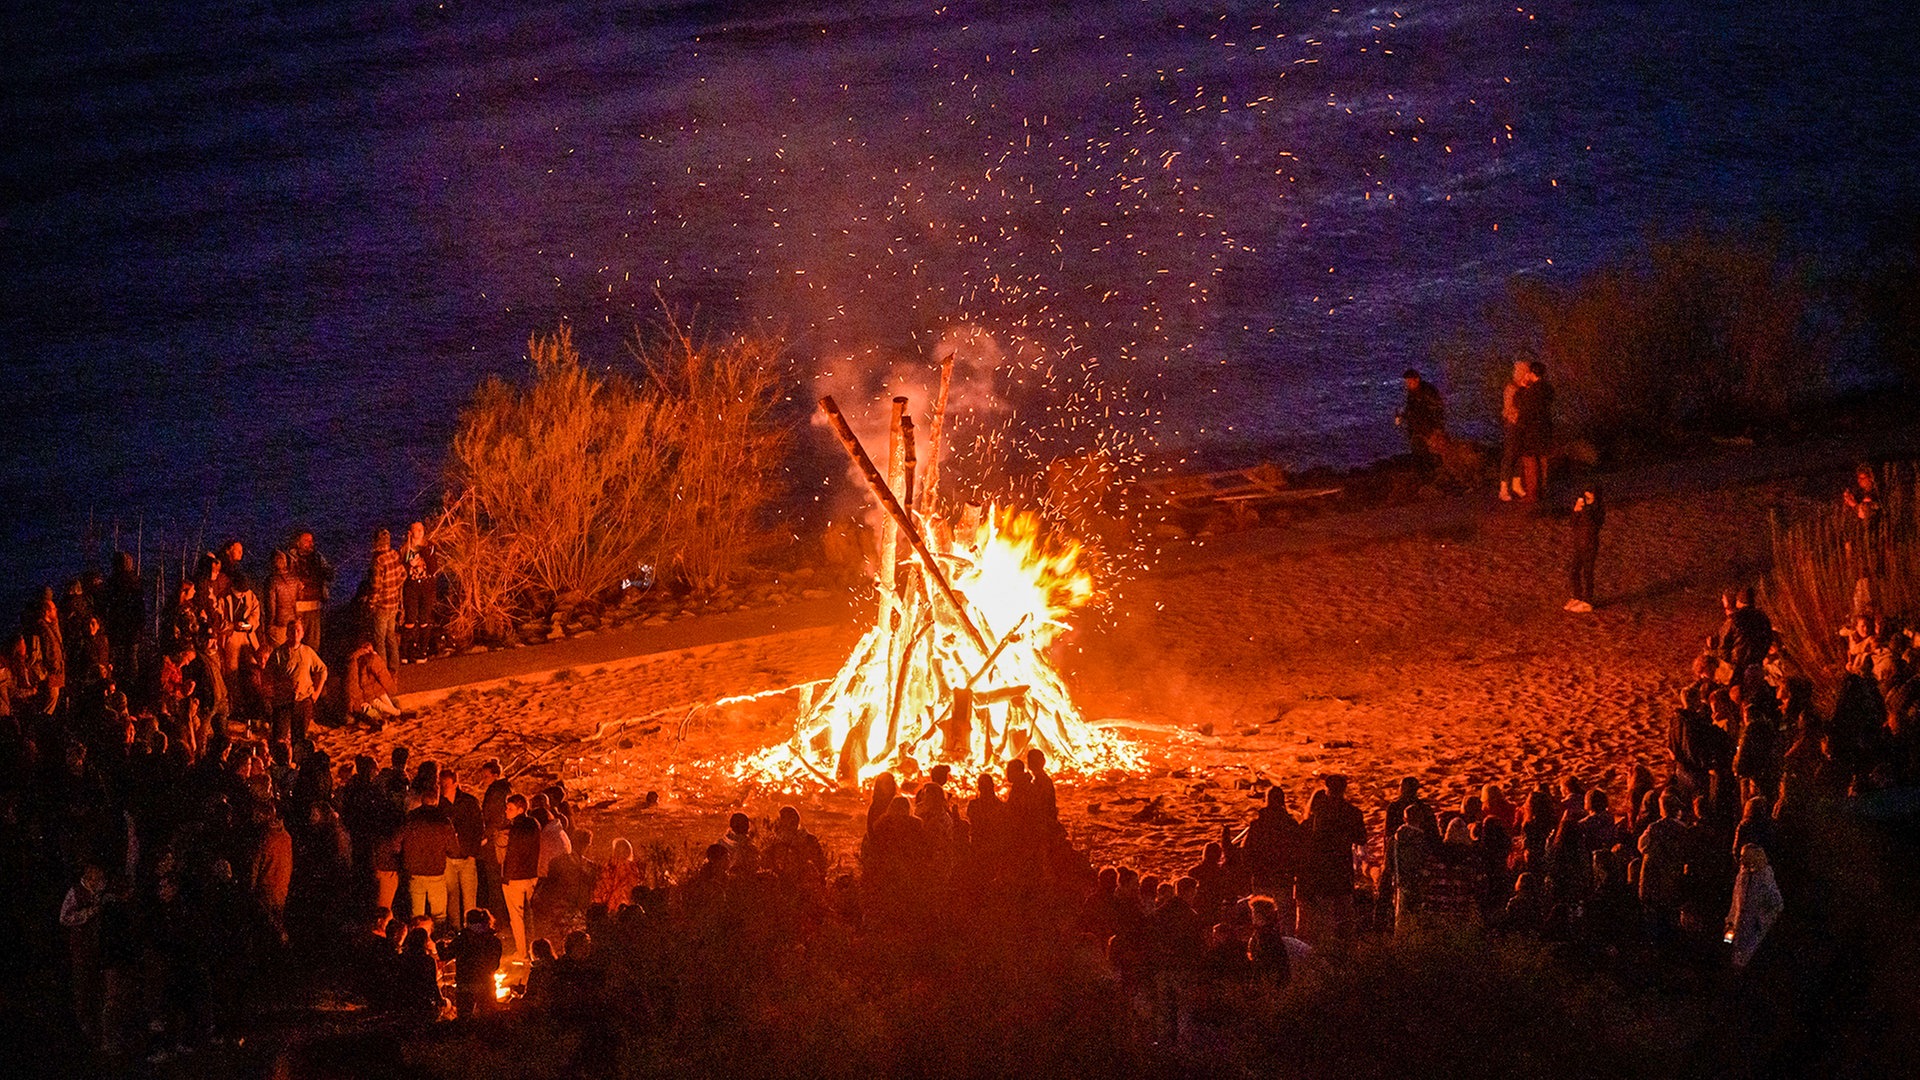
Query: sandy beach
[{"x": 1419, "y": 640}]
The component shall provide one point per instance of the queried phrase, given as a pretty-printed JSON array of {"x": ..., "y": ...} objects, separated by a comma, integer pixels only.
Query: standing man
[
  {"x": 298, "y": 676},
  {"x": 463, "y": 871},
  {"x": 315, "y": 575},
  {"x": 384, "y": 579},
  {"x": 427, "y": 845},
  {"x": 520, "y": 871},
  {"x": 1423, "y": 418},
  {"x": 1589, "y": 513},
  {"x": 493, "y": 821},
  {"x": 1534, "y": 430},
  {"x": 1334, "y": 828}
]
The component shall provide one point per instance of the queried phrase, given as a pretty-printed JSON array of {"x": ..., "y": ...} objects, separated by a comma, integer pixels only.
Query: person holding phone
[{"x": 1589, "y": 514}]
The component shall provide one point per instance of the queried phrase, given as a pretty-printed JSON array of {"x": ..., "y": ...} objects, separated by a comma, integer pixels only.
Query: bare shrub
[
  {"x": 564, "y": 487},
  {"x": 726, "y": 450},
  {"x": 1820, "y": 559},
  {"x": 1700, "y": 334}
]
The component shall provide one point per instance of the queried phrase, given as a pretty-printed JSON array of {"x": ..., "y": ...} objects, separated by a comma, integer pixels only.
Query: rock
[
  {"x": 654, "y": 620},
  {"x": 475, "y": 650},
  {"x": 556, "y": 634}
]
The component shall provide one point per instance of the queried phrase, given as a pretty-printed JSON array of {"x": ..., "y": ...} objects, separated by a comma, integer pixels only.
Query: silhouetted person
[
  {"x": 1589, "y": 514},
  {"x": 1423, "y": 419},
  {"x": 476, "y": 959}
]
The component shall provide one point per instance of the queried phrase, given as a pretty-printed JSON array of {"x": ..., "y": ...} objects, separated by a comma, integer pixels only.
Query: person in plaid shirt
[{"x": 383, "y": 596}]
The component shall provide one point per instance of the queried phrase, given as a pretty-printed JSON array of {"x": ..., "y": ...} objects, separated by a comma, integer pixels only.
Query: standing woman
[
  {"x": 418, "y": 593},
  {"x": 1510, "y": 431},
  {"x": 1589, "y": 514}
]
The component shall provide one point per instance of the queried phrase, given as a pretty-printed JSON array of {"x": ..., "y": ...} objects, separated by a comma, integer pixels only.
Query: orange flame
[{"x": 919, "y": 688}]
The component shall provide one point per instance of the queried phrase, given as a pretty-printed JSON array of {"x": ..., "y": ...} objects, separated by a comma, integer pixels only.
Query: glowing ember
[{"x": 955, "y": 668}]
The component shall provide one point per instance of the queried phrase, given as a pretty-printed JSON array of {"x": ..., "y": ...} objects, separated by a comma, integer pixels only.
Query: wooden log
[
  {"x": 907, "y": 459},
  {"x": 997, "y": 650},
  {"x": 931, "y": 479},
  {"x": 956, "y": 734},
  {"x": 881, "y": 491},
  {"x": 889, "y": 530}
]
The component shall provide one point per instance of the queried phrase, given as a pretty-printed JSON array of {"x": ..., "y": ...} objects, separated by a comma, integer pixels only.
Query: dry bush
[
  {"x": 1701, "y": 334},
  {"x": 566, "y": 486},
  {"x": 727, "y": 451},
  {"x": 1819, "y": 560}
]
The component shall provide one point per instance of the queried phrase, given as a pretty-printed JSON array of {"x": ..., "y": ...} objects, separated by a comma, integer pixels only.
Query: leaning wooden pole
[
  {"x": 889, "y": 532},
  {"x": 878, "y": 484}
]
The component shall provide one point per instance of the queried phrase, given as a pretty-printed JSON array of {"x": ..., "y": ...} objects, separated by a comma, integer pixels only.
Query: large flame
[{"x": 919, "y": 687}]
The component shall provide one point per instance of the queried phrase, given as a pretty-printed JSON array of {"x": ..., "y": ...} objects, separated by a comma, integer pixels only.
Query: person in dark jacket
[
  {"x": 463, "y": 867},
  {"x": 1589, "y": 513},
  {"x": 427, "y": 841},
  {"x": 1334, "y": 827},
  {"x": 494, "y": 789},
  {"x": 1422, "y": 418},
  {"x": 520, "y": 870},
  {"x": 417, "y": 977},
  {"x": 476, "y": 958},
  {"x": 1533, "y": 431},
  {"x": 1746, "y": 635},
  {"x": 125, "y": 608}
]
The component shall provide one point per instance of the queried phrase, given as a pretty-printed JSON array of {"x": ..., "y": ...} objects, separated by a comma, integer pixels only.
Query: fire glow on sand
[{"x": 955, "y": 666}]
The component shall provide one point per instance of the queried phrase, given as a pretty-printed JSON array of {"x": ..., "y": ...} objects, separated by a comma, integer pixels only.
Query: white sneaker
[
  {"x": 1579, "y": 607},
  {"x": 1506, "y": 492}
]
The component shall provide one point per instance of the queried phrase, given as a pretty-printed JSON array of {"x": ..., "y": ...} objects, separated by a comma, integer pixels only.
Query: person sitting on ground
[
  {"x": 539, "y": 994},
  {"x": 417, "y": 977},
  {"x": 370, "y": 687},
  {"x": 794, "y": 853},
  {"x": 743, "y": 854},
  {"x": 1526, "y": 909},
  {"x": 476, "y": 959},
  {"x": 618, "y": 875},
  {"x": 1268, "y": 952}
]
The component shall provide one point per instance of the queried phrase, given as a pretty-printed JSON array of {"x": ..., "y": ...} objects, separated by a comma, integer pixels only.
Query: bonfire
[{"x": 955, "y": 667}]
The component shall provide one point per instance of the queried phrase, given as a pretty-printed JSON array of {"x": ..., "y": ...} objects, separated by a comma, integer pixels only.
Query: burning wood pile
[{"x": 955, "y": 667}]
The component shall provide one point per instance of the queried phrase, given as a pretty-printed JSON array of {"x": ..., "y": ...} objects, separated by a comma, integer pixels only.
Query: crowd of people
[{"x": 180, "y": 847}]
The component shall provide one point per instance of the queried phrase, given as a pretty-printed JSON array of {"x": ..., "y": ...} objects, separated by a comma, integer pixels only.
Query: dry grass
[
  {"x": 1819, "y": 560},
  {"x": 560, "y": 489},
  {"x": 725, "y": 451}
]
